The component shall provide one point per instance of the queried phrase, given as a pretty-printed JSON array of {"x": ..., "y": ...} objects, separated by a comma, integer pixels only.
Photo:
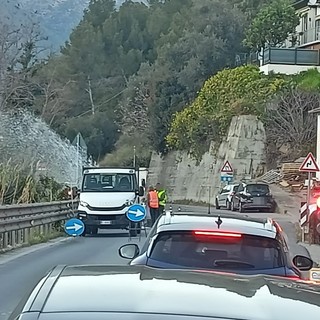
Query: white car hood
[{"x": 104, "y": 199}]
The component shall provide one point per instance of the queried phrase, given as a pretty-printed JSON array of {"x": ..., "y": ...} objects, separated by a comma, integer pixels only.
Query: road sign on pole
[
  {"x": 309, "y": 164},
  {"x": 226, "y": 178},
  {"x": 227, "y": 167},
  {"x": 136, "y": 213},
  {"x": 74, "y": 227}
]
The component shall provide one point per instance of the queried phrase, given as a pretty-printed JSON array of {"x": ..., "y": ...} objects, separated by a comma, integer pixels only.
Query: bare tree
[
  {"x": 289, "y": 123},
  {"x": 52, "y": 95},
  {"x": 19, "y": 51},
  {"x": 135, "y": 110}
]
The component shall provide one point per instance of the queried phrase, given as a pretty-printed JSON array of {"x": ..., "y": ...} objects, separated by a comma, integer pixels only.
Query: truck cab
[{"x": 105, "y": 196}]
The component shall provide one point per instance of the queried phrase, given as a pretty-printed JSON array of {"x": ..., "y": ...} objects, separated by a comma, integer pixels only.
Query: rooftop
[
  {"x": 133, "y": 289},
  {"x": 230, "y": 223}
]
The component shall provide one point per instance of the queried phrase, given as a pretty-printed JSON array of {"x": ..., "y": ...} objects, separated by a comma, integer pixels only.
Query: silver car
[{"x": 224, "y": 198}]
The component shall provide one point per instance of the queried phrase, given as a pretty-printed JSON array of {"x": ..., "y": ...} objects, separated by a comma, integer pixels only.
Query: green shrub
[{"x": 239, "y": 91}]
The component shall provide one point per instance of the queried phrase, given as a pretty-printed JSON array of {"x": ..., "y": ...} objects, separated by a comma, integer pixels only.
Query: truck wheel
[
  {"x": 139, "y": 228},
  {"x": 132, "y": 230},
  {"x": 84, "y": 232}
]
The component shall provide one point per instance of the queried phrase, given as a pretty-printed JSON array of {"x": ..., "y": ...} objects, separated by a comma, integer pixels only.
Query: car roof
[
  {"x": 140, "y": 289},
  {"x": 243, "y": 224}
]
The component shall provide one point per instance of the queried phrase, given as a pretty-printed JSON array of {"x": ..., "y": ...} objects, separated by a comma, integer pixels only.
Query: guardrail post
[
  {"x": 13, "y": 239},
  {"x": 19, "y": 237},
  {"x": 26, "y": 235},
  {"x": 5, "y": 240}
]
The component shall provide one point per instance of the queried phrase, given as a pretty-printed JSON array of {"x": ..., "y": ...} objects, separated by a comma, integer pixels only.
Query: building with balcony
[{"x": 302, "y": 50}]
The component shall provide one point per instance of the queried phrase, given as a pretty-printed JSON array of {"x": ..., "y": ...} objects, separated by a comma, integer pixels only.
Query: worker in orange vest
[{"x": 153, "y": 204}]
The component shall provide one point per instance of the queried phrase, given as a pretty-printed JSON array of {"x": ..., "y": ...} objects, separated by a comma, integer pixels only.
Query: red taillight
[
  {"x": 277, "y": 225},
  {"x": 318, "y": 202},
  {"x": 217, "y": 234}
]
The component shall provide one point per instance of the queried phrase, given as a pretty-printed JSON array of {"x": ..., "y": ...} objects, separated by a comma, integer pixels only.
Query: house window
[
  {"x": 317, "y": 29},
  {"x": 305, "y": 28}
]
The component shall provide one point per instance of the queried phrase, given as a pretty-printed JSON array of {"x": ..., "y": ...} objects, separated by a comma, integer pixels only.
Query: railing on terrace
[
  {"x": 291, "y": 56},
  {"x": 285, "y": 56}
]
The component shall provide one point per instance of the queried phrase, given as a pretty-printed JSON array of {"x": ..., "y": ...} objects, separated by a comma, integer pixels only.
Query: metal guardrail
[{"x": 18, "y": 223}]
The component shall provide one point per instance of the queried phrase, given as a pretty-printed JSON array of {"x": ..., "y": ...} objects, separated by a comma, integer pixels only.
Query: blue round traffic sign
[
  {"x": 136, "y": 213},
  {"x": 74, "y": 227}
]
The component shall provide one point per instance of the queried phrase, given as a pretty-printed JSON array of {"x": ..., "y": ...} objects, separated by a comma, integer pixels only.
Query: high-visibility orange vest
[{"x": 153, "y": 200}]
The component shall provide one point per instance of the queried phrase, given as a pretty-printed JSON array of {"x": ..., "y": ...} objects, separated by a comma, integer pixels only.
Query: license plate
[
  {"x": 258, "y": 200},
  {"x": 105, "y": 222}
]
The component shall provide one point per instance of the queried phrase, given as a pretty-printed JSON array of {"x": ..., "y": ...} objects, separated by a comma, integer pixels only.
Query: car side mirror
[
  {"x": 302, "y": 263},
  {"x": 129, "y": 251}
]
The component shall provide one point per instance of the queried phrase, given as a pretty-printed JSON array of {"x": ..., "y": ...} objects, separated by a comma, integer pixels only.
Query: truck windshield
[{"x": 109, "y": 182}]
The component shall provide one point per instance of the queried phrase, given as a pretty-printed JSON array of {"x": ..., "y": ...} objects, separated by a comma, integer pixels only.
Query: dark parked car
[
  {"x": 253, "y": 196},
  {"x": 142, "y": 293},
  {"x": 228, "y": 242}
]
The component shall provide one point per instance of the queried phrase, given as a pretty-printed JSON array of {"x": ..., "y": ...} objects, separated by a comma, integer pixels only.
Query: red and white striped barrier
[{"x": 305, "y": 214}]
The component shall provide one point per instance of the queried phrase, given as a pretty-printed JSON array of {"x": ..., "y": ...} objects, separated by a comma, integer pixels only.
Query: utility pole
[
  {"x": 78, "y": 158},
  {"x": 317, "y": 111},
  {"x": 209, "y": 205},
  {"x": 90, "y": 96},
  {"x": 134, "y": 156}
]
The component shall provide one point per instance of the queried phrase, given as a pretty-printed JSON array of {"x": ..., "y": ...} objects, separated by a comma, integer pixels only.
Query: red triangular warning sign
[
  {"x": 309, "y": 164},
  {"x": 227, "y": 167}
]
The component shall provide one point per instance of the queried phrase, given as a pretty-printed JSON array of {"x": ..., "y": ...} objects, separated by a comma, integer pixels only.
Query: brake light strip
[{"x": 217, "y": 234}]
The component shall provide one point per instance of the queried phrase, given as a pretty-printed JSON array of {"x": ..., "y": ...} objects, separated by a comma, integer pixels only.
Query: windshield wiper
[
  {"x": 233, "y": 264},
  {"x": 91, "y": 189}
]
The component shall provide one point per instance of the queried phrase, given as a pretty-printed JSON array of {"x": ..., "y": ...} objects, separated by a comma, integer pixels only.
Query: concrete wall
[
  {"x": 285, "y": 68},
  {"x": 244, "y": 148}
]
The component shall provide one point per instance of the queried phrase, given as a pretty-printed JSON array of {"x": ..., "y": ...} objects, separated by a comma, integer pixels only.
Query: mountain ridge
[{"x": 56, "y": 18}]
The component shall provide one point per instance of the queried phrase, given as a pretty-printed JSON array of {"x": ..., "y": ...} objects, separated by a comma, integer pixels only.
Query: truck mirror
[
  {"x": 143, "y": 182},
  {"x": 141, "y": 191}
]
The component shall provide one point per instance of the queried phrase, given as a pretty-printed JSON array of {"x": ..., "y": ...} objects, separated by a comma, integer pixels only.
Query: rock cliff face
[{"x": 244, "y": 148}]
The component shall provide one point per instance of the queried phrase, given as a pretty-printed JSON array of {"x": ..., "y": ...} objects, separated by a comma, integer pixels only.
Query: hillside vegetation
[
  {"x": 156, "y": 76},
  {"x": 128, "y": 70}
]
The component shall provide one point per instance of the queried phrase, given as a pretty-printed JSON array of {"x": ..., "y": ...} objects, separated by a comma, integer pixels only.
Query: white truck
[{"x": 105, "y": 196}]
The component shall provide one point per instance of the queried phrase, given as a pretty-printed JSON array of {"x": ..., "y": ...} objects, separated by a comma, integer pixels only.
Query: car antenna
[{"x": 219, "y": 222}]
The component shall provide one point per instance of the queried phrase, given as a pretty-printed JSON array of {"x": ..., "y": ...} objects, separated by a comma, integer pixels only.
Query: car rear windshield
[
  {"x": 257, "y": 188},
  {"x": 203, "y": 249}
]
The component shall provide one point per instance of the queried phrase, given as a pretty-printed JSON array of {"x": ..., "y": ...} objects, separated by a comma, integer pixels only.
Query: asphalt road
[{"x": 22, "y": 269}]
